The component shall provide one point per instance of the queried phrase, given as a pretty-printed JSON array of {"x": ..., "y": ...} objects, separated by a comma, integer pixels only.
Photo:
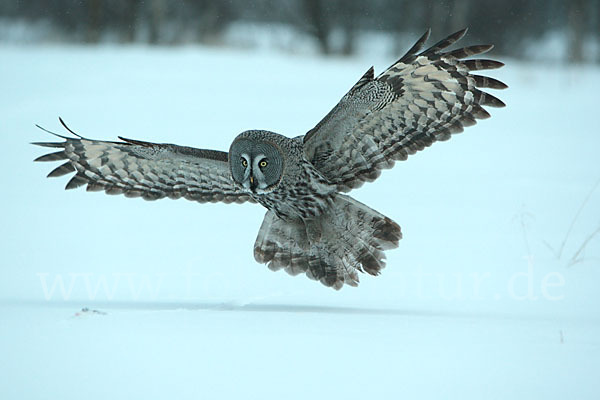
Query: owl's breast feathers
[{"x": 303, "y": 192}]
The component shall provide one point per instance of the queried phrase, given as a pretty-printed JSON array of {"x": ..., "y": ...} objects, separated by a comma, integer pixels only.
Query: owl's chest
[{"x": 306, "y": 196}]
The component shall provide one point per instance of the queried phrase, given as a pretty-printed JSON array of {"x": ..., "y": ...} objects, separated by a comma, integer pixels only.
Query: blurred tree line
[{"x": 334, "y": 25}]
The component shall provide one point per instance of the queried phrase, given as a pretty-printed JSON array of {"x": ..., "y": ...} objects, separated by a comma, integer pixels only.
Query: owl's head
[{"x": 256, "y": 162}]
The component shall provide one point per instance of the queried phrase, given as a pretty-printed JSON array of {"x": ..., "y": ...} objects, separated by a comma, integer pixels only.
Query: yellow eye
[
  {"x": 262, "y": 164},
  {"x": 244, "y": 162}
]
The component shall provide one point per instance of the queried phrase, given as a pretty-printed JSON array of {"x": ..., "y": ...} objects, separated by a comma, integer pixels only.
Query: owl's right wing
[{"x": 142, "y": 169}]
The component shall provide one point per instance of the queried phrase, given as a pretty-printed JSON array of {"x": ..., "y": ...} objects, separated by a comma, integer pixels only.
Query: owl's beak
[{"x": 252, "y": 184}]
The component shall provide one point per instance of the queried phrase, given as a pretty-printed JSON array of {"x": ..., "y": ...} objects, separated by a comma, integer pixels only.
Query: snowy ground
[{"x": 475, "y": 303}]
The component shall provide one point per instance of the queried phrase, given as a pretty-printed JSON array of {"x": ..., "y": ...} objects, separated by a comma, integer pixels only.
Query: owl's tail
[{"x": 351, "y": 237}]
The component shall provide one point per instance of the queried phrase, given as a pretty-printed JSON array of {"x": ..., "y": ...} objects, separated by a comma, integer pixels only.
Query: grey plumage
[
  {"x": 311, "y": 228},
  {"x": 422, "y": 98},
  {"x": 149, "y": 170},
  {"x": 348, "y": 237}
]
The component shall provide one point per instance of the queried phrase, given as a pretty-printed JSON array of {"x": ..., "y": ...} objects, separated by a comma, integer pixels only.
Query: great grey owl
[{"x": 309, "y": 227}]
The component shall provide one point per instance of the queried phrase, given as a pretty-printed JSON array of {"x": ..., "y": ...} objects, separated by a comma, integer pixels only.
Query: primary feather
[
  {"x": 149, "y": 170},
  {"x": 422, "y": 98}
]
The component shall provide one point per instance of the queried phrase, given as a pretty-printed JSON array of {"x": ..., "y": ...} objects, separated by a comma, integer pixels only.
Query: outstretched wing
[
  {"x": 424, "y": 97},
  {"x": 142, "y": 169}
]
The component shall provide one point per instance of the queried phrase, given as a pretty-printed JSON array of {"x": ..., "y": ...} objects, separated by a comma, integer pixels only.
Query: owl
[{"x": 310, "y": 226}]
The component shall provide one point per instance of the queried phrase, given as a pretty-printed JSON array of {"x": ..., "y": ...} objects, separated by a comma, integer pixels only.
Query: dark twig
[
  {"x": 576, "y": 256},
  {"x": 581, "y": 207}
]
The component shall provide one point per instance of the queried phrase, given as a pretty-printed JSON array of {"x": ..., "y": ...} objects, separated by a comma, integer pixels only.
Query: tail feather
[
  {"x": 278, "y": 245},
  {"x": 351, "y": 237}
]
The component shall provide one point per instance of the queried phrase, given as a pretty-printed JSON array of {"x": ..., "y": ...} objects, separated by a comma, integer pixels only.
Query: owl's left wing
[
  {"x": 423, "y": 98},
  {"x": 142, "y": 169}
]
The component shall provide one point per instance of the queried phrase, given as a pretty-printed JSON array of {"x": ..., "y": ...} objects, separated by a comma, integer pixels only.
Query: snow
[{"x": 473, "y": 304}]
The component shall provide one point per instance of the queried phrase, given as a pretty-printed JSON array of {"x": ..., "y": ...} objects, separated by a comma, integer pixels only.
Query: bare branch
[
  {"x": 576, "y": 256},
  {"x": 574, "y": 220}
]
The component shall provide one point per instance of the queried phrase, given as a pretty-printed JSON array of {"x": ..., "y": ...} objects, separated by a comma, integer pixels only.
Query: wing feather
[
  {"x": 426, "y": 96},
  {"x": 143, "y": 169}
]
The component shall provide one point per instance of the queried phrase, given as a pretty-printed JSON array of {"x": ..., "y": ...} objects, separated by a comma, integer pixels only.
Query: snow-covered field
[{"x": 475, "y": 303}]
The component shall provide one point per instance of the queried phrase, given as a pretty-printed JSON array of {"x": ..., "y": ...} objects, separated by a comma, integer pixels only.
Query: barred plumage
[
  {"x": 426, "y": 96},
  {"x": 422, "y": 98},
  {"x": 148, "y": 170}
]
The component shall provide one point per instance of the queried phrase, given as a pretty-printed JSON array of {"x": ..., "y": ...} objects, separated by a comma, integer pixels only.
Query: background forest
[{"x": 326, "y": 26}]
